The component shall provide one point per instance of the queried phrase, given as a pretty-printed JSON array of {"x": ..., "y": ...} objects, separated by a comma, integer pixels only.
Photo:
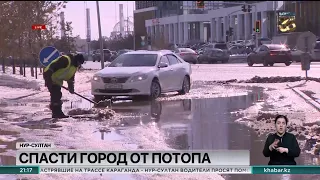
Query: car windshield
[
  {"x": 278, "y": 47},
  {"x": 134, "y": 60},
  {"x": 221, "y": 46},
  {"x": 317, "y": 46}
]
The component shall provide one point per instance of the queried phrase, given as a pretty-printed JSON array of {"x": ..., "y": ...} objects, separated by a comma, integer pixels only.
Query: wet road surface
[
  {"x": 205, "y": 124},
  {"x": 200, "y": 124}
]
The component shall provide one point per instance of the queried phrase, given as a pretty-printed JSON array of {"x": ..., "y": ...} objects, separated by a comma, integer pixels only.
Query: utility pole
[
  {"x": 133, "y": 32},
  {"x": 100, "y": 36},
  {"x": 275, "y": 3},
  {"x": 88, "y": 30},
  {"x": 40, "y": 36}
]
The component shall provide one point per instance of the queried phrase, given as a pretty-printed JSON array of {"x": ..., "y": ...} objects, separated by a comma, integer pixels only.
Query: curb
[{"x": 306, "y": 98}]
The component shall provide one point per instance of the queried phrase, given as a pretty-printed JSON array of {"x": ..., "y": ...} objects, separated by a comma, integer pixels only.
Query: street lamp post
[{"x": 100, "y": 36}]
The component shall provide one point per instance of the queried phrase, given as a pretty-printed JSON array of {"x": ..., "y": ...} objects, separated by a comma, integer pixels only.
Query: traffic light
[
  {"x": 257, "y": 26},
  {"x": 230, "y": 31},
  {"x": 243, "y": 8},
  {"x": 200, "y": 4}
]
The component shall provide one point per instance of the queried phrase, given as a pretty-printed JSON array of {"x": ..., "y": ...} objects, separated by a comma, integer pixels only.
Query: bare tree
[
  {"x": 17, "y": 39},
  {"x": 67, "y": 43}
]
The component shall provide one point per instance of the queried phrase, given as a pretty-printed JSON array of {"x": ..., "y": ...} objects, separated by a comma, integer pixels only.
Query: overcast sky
[{"x": 109, "y": 16}]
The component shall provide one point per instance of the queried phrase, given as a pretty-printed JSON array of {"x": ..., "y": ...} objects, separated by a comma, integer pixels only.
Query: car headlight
[
  {"x": 96, "y": 78},
  {"x": 139, "y": 78}
]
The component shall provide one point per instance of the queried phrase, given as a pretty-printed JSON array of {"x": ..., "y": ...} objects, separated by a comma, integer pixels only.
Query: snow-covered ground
[{"x": 25, "y": 99}]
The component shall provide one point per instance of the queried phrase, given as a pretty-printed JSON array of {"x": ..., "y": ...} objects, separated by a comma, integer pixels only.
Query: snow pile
[
  {"x": 13, "y": 82},
  {"x": 258, "y": 79},
  {"x": 277, "y": 79}
]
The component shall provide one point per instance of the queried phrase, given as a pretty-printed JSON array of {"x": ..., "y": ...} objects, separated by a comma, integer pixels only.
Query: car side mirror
[{"x": 163, "y": 65}]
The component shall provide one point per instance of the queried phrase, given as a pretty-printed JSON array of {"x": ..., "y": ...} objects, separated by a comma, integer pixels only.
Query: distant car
[
  {"x": 142, "y": 74},
  {"x": 213, "y": 56},
  {"x": 219, "y": 45},
  {"x": 315, "y": 55},
  {"x": 187, "y": 54},
  {"x": 264, "y": 41},
  {"x": 123, "y": 51},
  {"x": 238, "y": 49},
  {"x": 97, "y": 55},
  {"x": 268, "y": 54}
]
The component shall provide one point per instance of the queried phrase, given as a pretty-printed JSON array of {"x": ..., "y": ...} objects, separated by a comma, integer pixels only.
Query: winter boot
[{"x": 57, "y": 112}]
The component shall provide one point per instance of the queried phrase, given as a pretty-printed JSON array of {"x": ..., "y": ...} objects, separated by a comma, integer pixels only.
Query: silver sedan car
[{"x": 187, "y": 55}]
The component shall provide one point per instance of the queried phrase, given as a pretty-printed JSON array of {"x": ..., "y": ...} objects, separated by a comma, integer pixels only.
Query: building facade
[
  {"x": 307, "y": 15},
  {"x": 181, "y": 22},
  {"x": 139, "y": 24}
]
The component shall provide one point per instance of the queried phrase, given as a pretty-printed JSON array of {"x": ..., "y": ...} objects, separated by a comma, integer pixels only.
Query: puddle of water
[
  {"x": 43, "y": 124},
  {"x": 208, "y": 124},
  {"x": 113, "y": 135},
  {"x": 203, "y": 124}
]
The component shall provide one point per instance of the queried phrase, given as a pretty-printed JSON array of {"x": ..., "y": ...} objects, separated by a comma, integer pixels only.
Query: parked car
[
  {"x": 187, "y": 54},
  {"x": 213, "y": 56},
  {"x": 264, "y": 41},
  {"x": 97, "y": 56},
  {"x": 219, "y": 45},
  {"x": 238, "y": 49},
  {"x": 315, "y": 53},
  {"x": 142, "y": 74},
  {"x": 113, "y": 57},
  {"x": 268, "y": 54}
]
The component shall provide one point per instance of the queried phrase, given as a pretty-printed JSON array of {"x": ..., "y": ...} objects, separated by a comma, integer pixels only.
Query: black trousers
[{"x": 55, "y": 95}]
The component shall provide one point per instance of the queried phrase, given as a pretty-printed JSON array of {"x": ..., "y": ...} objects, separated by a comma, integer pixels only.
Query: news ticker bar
[
  {"x": 164, "y": 170},
  {"x": 133, "y": 158}
]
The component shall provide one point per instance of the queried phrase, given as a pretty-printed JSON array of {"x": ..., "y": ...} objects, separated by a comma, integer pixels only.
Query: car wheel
[
  {"x": 185, "y": 86},
  {"x": 271, "y": 64},
  {"x": 265, "y": 62},
  {"x": 155, "y": 90},
  {"x": 287, "y": 63},
  {"x": 250, "y": 62}
]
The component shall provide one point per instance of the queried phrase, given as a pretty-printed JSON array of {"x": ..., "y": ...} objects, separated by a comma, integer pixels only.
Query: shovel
[{"x": 96, "y": 103}]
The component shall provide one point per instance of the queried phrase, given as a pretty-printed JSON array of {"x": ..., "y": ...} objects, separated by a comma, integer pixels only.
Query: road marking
[{"x": 47, "y": 59}]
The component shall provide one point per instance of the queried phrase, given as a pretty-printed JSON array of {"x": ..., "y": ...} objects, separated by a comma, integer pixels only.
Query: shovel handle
[{"x": 81, "y": 96}]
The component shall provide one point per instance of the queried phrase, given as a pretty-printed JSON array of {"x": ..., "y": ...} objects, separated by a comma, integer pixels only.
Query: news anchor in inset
[{"x": 282, "y": 147}]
